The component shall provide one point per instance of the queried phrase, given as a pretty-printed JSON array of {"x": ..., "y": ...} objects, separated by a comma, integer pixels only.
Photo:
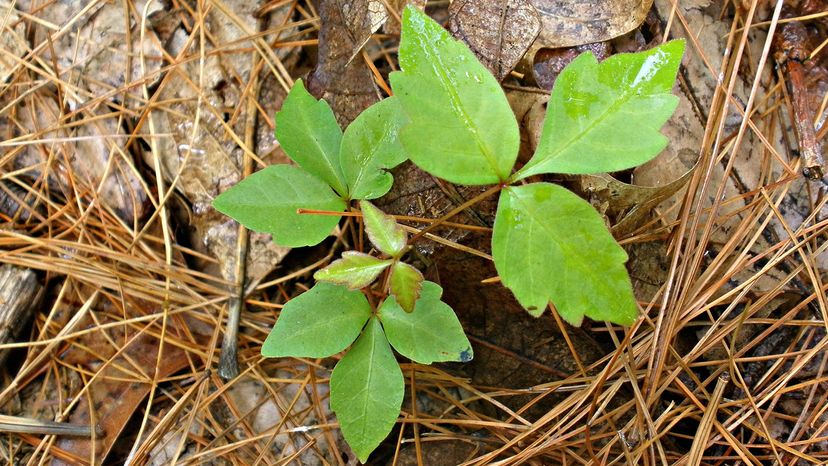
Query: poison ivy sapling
[{"x": 452, "y": 119}]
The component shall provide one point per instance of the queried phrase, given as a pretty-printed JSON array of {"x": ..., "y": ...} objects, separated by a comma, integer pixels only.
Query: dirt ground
[{"x": 121, "y": 120}]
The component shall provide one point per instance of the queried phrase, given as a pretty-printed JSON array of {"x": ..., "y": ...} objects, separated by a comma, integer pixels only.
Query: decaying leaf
[
  {"x": 499, "y": 33},
  {"x": 206, "y": 159},
  {"x": 628, "y": 205},
  {"x": 392, "y": 25},
  {"x": 91, "y": 161},
  {"x": 548, "y": 63},
  {"x": 567, "y": 23},
  {"x": 120, "y": 386},
  {"x": 97, "y": 53},
  {"x": 686, "y": 129},
  {"x": 341, "y": 77},
  {"x": 363, "y": 18}
]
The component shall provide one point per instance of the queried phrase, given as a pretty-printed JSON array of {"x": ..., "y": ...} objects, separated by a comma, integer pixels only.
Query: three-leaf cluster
[
  {"x": 548, "y": 244},
  {"x": 367, "y": 385},
  {"x": 332, "y": 169}
]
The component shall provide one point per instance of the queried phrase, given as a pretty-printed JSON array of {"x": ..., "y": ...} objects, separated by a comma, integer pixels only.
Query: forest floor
[{"x": 121, "y": 120}]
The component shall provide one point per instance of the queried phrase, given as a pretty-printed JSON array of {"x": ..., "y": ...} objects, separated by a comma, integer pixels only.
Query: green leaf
[
  {"x": 308, "y": 132},
  {"x": 267, "y": 200},
  {"x": 370, "y": 147},
  {"x": 406, "y": 283},
  {"x": 383, "y": 231},
  {"x": 605, "y": 117},
  {"x": 461, "y": 126},
  {"x": 550, "y": 245},
  {"x": 430, "y": 334},
  {"x": 355, "y": 270},
  {"x": 367, "y": 390},
  {"x": 318, "y": 323}
]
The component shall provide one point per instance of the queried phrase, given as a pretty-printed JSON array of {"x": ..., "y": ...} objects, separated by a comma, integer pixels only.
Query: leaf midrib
[
  {"x": 610, "y": 110},
  {"x": 555, "y": 237},
  {"x": 368, "y": 379},
  {"x": 457, "y": 106},
  {"x": 328, "y": 162}
]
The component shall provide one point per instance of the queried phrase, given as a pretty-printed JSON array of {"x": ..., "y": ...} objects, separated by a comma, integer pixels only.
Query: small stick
[
  {"x": 404, "y": 218},
  {"x": 790, "y": 54},
  {"x": 24, "y": 425},
  {"x": 699, "y": 446},
  {"x": 228, "y": 367}
]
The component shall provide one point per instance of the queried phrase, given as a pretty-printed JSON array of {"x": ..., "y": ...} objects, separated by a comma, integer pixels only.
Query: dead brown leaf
[
  {"x": 548, "y": 63},
  {"x": 393, "y": 25},
  {"x": 566, "y": 23},
  {"x": 628, "y": 205},
  {"x": 341, "y": 77},
  {"x": 499, "y": 33},
  {"x": 88, "y": 161},
  {"x": 203, "y": 155},
  {"x": 120, "y": 386}
]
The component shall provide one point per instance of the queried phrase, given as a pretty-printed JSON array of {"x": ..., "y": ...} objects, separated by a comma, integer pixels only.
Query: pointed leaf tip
[
  {"x": 309, "y": 134},
  {"x": 406, "y": 283}
]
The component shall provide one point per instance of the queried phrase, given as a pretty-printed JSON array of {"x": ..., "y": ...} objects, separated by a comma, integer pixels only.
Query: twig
[
  {"x": 790, "y": 55},
  {"x": 24, "y": 425},
  {"x": 228, "y": 367}
]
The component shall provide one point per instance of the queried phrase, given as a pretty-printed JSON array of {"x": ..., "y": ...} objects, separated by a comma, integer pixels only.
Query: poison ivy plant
[
  {"x": 548, "y": 246},
  {"x": 451, "y": 118}
]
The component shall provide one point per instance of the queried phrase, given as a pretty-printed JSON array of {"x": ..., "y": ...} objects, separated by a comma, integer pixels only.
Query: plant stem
[
  {"x": 405, "y": 218},
  {"x": 442, "y": 220}
]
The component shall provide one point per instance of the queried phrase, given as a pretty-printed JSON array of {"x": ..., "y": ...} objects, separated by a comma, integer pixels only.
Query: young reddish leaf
[
  {"x": 383, "y": 230},
  {"x": 406, "y": 283},
  {"x": 355, "y": 270}
]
